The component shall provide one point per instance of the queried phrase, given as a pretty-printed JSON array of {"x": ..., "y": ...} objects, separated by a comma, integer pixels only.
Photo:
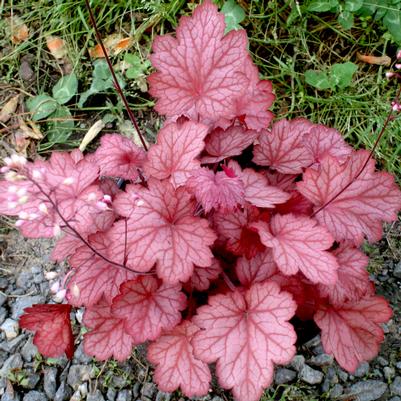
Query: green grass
[{"x": 284, "y": 41}]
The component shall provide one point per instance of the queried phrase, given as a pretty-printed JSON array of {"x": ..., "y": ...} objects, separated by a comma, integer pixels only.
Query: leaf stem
[
  {"x": 379, "y": 137},
  {"x": 116, "y": 84}
]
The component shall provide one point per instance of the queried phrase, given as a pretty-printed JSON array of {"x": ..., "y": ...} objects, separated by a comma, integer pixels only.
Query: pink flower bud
[
  {"x": 23, "y": 215},
  {"x": 68, "y": 181},
  {"x": 55, "y": 287},
  {"x": 51, "y": 275},
  {"x": 398, "y": 66},
  {"x": 107, "y": 198},
  {"x": 19, "y": 223},
  {"x": 36, "y": 174},
  {"x": 102, "y": 205},
  {"x": 23, "y": 199},
  {"x": 4, "y": 169},
  {"x": 43, "y": 208},
  {"x": 8, "y": 161},
  {"x": 33, "y": 216},
  {"x": 60, "y": 295},
  {"x": 11, "y": 176},
  {"x": 92, "y": 197},
  {"x": 12, "y": 205},
  {"x": 399, "y": 55},
  {"x": 12, "y": 189},
  {"x": 56, "y": 230},
  {"x": 389, "y": 75}
]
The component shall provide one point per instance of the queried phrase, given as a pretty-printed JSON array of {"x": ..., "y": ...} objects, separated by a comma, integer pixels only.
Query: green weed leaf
[
  {"x": 320, "y": 6},
  {"x": 65, "y": 88},
  {"x": 346, "y": 19},
  {"x": 137, "y": 66},
  {"x": 318, "y": 79},
  {"x": 41, "y": 106},
  {"x": 353, "y": 5},
  {"x": 392, "y": 21},
  {"x": 341, "y": 74},
  {"x": 234, "y": 15},
  {"x": 61, "y": 126}
]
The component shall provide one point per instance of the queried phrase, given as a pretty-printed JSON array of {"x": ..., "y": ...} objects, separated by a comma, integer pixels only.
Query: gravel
[
  {"x": 49, "y": 382},
  {"x": 310, "y": 376},
  {"x": 395, "y": 386},
  {"x": 35, "y": 396},
  {"x": 10, "y": 327},
  {"x": 17, "y": 308},
  {"x": 284, "y": 376},
  {"x": 369, "y": 390}
]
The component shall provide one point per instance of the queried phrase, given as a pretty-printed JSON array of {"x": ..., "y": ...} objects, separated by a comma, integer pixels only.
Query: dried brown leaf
[
  {"x": 9, "y": 109},
  {"x": 19, "y": 31},
  {"x": 376, "y": 60}
]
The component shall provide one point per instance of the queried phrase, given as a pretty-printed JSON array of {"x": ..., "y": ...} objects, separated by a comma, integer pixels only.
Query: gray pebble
[
  {"x": 389, "y": 372},
  {"x": 217, "y": 399},
  {"x": 80, "y": 356},
  {"x": 149, "y": 390},
  {"x": 24, "y": 280},
  {"x": 31, "y": 381},
  {"x": 11, "y": 346},
  {"x": 330, "y": 378},
  {"x": 336, "y": 391},
  {"x": 3, "y": 314},
  {"x": 13, "y": 396},
  {"x": 284, "y": 375},
  {"x": 17, "y": 309},
  {"x": 3, "y": 283},
  {"x": 396, "y": 398},
  {"x": 78, "y": 374},
  {"x": 49, "y": 382},
  {"x": 382, "y": 361},
  {"x": 135, "y": 389},
  {"x": 368, "y": 390},
  {"x": 397, "y": 270},
  {"x": 124, "y": 395},
  {"x": 321, "y": 360},
  {"x": 111, "y": 394},
  {"x": 310, "y": 376},
  {"x": 3, "y": 299},
  {"x": 35, "y": 396},
  {"x": 313, "y": 343},
  {"x": 28, "y": 351},
  {"x": 25, "y": 71},
  {"x": 13, "y": 362},
  {"x": 161, "y": 396},
  {"x": 398, "y": 365},
  {"x": 343, "y": 375},
  {"x": 95, "y": 396},
  {"x": 10, "y": 327},
  {"x": 76, "y": 396},
  {"x": 362, "y": 370},
  {"x": 63, "y": 393},
  {"x": 298, "y": 362},
  {"x": 395, "y": 386}
]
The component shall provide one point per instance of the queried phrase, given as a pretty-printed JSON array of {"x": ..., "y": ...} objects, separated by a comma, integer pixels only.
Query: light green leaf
[
  {"x": 101, "y": 82},
  {"x": 60, "y": 129},
  {"x": 353, "y": 5},
  {"x": 321, "y": 6},
  {"x": 41, "y": 106},
  {"x": 65, "y": 88},
  {"x": 392, "y": 21},
  {"x": 233, "y": 15},
  {"x": 137, "y": 66},
  {"x": 341, "y": 74},
  {"x": 318, "y": 79},
  {"x": 346, "y": 19}
]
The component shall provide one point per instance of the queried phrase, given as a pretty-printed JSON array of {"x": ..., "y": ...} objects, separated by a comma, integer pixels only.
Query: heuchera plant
[{"x": 228, "y": 227}]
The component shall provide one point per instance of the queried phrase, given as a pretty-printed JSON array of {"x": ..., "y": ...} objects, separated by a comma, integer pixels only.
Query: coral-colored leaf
[
  {"x": 202, "y": 276},
  {"x": 298, "y": 243},
  {"x": 257, "y": 190},
  {"x": 117, "y": 156},
  {"x": 176, "y": 365},
  {"x": 255, "y": 270},
  {"x": 108, "y": 337},
  {"x": 353, "y": 278},
  {"x": 246, "y": 333},
  {"x": 352, "y": 332},
  {"x": 322, "y": 141},
  {"x": 235, "y": 230},
  {"x": 149, "y": 308},
  {"x": 363, "y": 205},
  {"x": 198, "y": 73},
  {"x": 282, "y": 148},
  {"x": 222, "y": 144},
  {"x": 52, "y": 327},
  {"x": 93, "y": 276},
  {"x": 162, "y": 229},
  {"x": 174, "y": 155},
  {"x": 222, "y": 191}
]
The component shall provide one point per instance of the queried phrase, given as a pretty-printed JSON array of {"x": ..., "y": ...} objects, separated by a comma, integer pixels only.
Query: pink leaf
[
  {"x": 322, "y": 141},
  {"x": 52, "y": 327},
  {"x": 297, "y": 204},
  {"x": 162, "y": 229},
  {"x": 108, "y": 337},
  {"x": 93, "y": 276},
  {"x": 246, "y": 333},
  {"x": 282, "y": 148},
  {"x": 352, "y": 332},
  {"x": 149, "y": 308},
  {"x": 353, "y": 278},
  {"x": 118, "y": 156},
  {"x": 286, "y": 182},
  {"x": 198, "y": 73},
  {"x": 174, "y": 155},
  {"x": 257, "y": 190},
  {"x": 222, "y": 144},
  {"x": 202, "y": 276},
  {"x": 298, "y": 243},
  {"x": 361, "y": 208},
  {"x": 256, "y": 100},
  {"x": 222, "y": 191},
  {"x": 255, "y": 270},
  {"x": 176, "y": 365}
]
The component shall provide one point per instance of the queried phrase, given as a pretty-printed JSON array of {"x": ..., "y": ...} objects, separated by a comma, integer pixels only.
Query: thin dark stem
[
  {"x": 116, "y": 84},
  {"x": 79, "y": 236},
  {"x": 388, "y": 119}
]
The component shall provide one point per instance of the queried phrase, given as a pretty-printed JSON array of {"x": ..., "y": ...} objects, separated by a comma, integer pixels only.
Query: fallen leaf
[
  {"x": 18, "y": 29},
  {"x": 91, "y": 134},
  {"x": 31, "y": 131},
  {"x": 114, "y": 44},
  {"x": 381, "y": 60},
  {"x": 57, "y": 47},
  {"x": 9, "y": 109},
  {"x": 21, "y": 143}
]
